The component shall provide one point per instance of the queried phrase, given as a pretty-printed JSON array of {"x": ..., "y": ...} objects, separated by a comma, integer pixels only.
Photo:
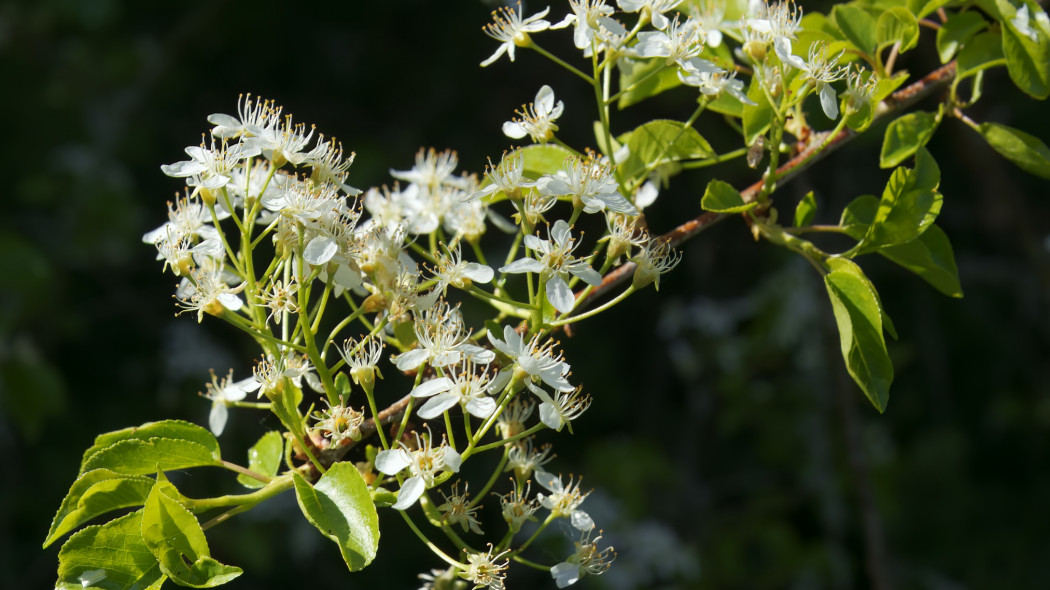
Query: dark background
[{"x": 726, "y": 444}]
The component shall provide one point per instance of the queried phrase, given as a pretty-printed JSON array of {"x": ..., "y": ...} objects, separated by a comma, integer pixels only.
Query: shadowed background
[{"x": 726, "y": 444}]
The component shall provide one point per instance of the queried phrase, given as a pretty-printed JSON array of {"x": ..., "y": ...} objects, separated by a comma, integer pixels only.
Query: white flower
[
  {"x": 586, "y": 559},
  {"x": 564, "y": 499},
  {"x": 537, "y": 118},
  {"x": 560, "y": 409},
  {"x": 209, "y": 168},
  {"x": 654, "y": 9},
  {"x": 824, "y": 69},
  {"x": 524, "y": 458},
  {"x": 518, "y": 507},
  {"x": 432, "y": 169},
  {"x": 483, "y": 570},
  {"x": 207, "y": 291},
  {"x": 536, "y": 360},
  {"x": 220, "y": 392},
  {"x": 443, "y": 341},
  {"x": 254, "y": 117},
  {"x": 591, "y": 184},
  {"x": 509, "y": 28},
  {"x": 555, "y": 262},
  {"x": 780, "y": 24},
  {"x": 363, "y": 358},
  {"x": 464, "y": 387},
  {"x": 457, "y": 509},
  {"x": 453, "y": 270},
  {"x": 422, "y": 463},
  {"x": 340, "y": 424},
  {"x": 656, "y": 259},
  {"x": 678, "y": 43},
  {"x": 588, "y": 18}
]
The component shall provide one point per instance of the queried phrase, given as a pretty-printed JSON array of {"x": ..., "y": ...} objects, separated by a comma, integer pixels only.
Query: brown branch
[{"x": 816, "y": 150}]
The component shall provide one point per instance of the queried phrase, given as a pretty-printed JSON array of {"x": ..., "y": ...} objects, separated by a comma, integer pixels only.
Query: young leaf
[
  {"x": 756, "y": 119},
  {"x": 112, "y": 555},
  {"x": 897, "y": 24},
  {"x": 340, "y": 506},
  {"x": 979, "y": 53},
  {"x": 175, "y": 538},
  {"x": 1028, "y": 152},
  {"x": 264, "y": 458},
  {"x": 857, "y": 25},
  {"x": 171, "y": 429},
  {"x": 661, "y": 141},
  {"x": 909, "y": 204},
  {"x": 642, "y": 80},
  {"x": 956, "y": 31},
  {"x": 921, "y": 8},
  {"x": 930, "y": 256},
  {"x": 858, "y": 315},
  {"x": 141, "y": 457},
  {"x": 721, "y": 197},
  {"x": 905, "y": 135},
  {"x": 543, "y": 159},
  {"x": 1027, "y": 59},
  {"x": 95, "y": 493},
  {"x": 805, "y": 210}
]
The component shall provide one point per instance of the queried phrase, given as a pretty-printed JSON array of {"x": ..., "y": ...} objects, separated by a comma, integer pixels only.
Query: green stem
[
  {"x": 532, "y": 45},
  {"x": 715, "y": 160},
  {"x": 437, "y": 551},
  {"x": 492, "y": 479},
  {"x": 596, "y": 310},
  {"x": 246, "y": 472}
]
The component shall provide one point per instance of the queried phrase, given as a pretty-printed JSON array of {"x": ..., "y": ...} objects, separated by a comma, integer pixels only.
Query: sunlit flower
[
  {"x": 423, "y": 463},
  {"x": 510, "y": 29},
  {"x": 537, "y": 118}
]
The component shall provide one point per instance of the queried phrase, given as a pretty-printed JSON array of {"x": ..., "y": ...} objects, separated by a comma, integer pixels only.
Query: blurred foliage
[{"x": 725, "y": 442}]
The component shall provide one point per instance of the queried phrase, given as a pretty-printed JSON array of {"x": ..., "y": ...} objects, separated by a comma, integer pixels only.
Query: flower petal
[{"x": 411, "y": 490}]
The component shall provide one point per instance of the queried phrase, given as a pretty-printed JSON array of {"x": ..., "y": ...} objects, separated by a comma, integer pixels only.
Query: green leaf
[
  {"x": 805, "y": 210},
  {"x": 95, "y": 493},
  {"x": 113, "y": 554},
  {"x": 956, "y": 31},
  {"x": 142, "y": 457},
  {"x": 264, "y": 458},
  {"x": 979, "y": 53},
  {"x": 721, "y": 197},
  {"x": 858, "y": 314},
  {"x": 660, "y": 142},
  {"x": 929, "y": 256},
  {"x": 1028, "y": 152},
  {"x": 543, "y": 159},
  {"x": 897, "y": 24},
  {"x": 756, "y": 119},
  {"x": 857, "y": 25},
  {"x": 1027, "y": 60},
  {"x": 175, "y": 538},
  {"x": 921, "y": 8},
  {"x": 341, "y": 507},
  {"x": 171, "y": 429},
  {"x": 645, "y": 79},
  {"x": 909, "y": 204},
  {"x": 905, "y": 135}
]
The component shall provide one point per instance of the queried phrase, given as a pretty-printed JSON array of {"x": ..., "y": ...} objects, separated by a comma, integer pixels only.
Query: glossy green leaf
[
  {"x": 264, "y": 458},
  {"x": 175, "y": 538},
  {"x": 909, "y": 204},
  {"x": 661, "y": 142},
  {"x": 1028, "y": 152},
  {"x": 756, "y": 119},
  {"x": 956, "y": 31},
  {"x": 805, "y": 210},
  {"x": 543, "y": 159},
  {"x": 857, "y": 25},
  {"x": 981, "y": 52},
  {"x": 858, "y": 314},
  {"x": 341, "y": 507},
  {"x": 921, "y": 8},
  {"x": 643, "y": 79},
  {"x": 906, "y": 134},
  {"x": 113, "y": 556},
  {"x": 721, "y": 197},
  {"x": 95, "y": 493},
  {"x": 169, "y": 429},
  {"x": 1027, "y": 59},
  {"x": 142, "y": 457},
  {"x": 930, "y": 255},
  {"x": 897, "y": 24}
]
